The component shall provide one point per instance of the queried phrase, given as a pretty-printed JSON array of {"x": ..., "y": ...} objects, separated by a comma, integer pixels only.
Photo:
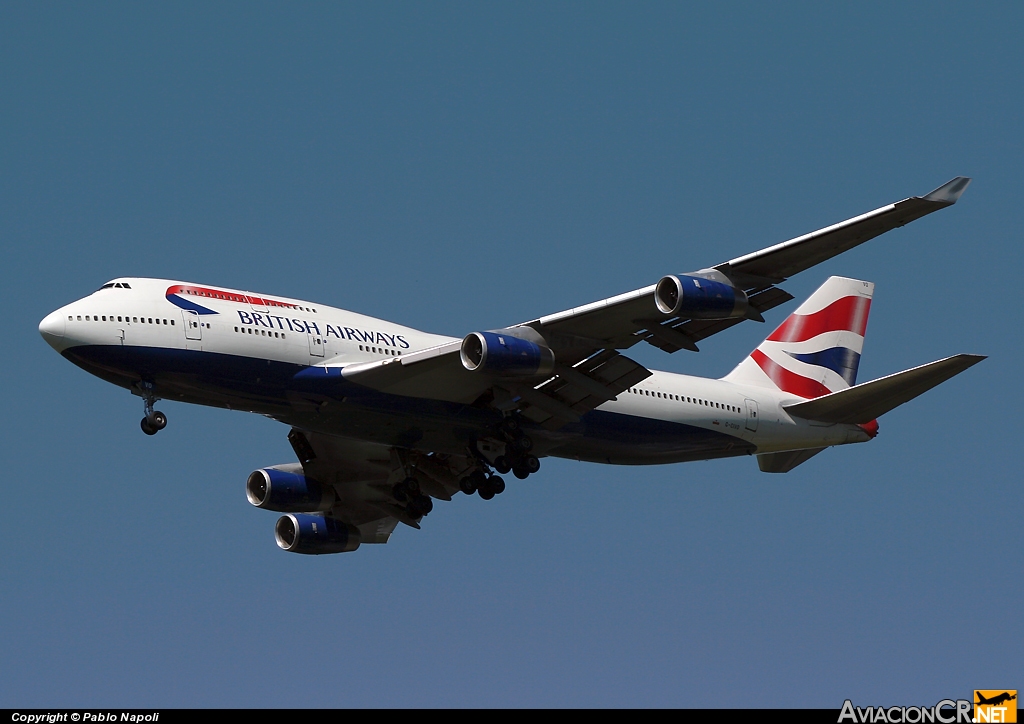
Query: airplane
[
  {"x": 385, "y": 419},
  {"x": 995, "y": 700}
]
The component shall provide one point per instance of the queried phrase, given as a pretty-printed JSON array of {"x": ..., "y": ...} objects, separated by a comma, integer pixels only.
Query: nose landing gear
[{"x": 154, "y": 421}]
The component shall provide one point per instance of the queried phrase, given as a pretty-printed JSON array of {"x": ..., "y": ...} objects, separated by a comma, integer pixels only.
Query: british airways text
[{"x": 273, "y": 321}]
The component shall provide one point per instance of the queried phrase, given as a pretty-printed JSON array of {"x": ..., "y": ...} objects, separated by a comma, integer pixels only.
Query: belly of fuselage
[
  {"x": 619, "y": 439},
  {"x": 332, "y": 405}
]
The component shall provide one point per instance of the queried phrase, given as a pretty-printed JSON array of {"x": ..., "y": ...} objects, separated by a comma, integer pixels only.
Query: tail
[{"x": 817, "y": 350}]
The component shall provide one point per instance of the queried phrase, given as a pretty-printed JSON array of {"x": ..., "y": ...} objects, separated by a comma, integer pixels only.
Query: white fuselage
[{"x": 240, "y": 350}]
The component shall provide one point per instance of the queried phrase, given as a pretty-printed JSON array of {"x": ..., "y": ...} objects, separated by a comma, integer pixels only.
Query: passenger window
[
  {"x": 86, "y": 317},
  {"x": 172, "y": 322}
]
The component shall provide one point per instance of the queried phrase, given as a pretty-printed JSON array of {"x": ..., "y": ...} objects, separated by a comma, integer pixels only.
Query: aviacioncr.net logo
[
  {"x": 995, "y": 705},
  {"x": 946, "y": 711}
]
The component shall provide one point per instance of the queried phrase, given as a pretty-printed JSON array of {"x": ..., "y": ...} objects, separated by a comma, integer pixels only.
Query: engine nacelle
[
  {"x": 504, "y": 355},
  {"x": 287, "y": 491},
  {"x": 697, "y": 298},
  {"x": 315, "y": 534}
]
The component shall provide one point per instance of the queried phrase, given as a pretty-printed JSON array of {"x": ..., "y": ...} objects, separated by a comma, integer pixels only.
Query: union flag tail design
[{"x": 817, "y": 349}]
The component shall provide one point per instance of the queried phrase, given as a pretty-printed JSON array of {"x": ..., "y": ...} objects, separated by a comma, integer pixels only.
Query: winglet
[{"x": 950, "y": 191}]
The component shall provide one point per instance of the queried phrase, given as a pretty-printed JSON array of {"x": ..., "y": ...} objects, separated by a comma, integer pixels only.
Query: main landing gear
[
  {"x": 408, "y": 491},
  {"x": 480, "y": 482},
  {"x": 517, "y": 459},
  {"x": 154, "y": 421}
]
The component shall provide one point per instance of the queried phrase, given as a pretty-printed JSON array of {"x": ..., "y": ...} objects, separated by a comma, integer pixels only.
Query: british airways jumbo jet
[{"x": 385, "y": 418}]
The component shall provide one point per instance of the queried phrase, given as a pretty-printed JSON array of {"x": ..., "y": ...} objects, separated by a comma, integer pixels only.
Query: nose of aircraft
[{"x": 52, "y": 328}]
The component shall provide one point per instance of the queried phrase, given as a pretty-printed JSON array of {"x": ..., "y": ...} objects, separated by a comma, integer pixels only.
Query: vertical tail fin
[{"x": 817, "y": 349}]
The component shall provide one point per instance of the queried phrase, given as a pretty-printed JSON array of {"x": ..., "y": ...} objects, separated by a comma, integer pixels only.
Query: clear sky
[{"x": 456, "y": 167}]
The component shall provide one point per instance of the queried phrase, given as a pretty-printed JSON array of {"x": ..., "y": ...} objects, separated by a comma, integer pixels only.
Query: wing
[
  {"x": 621, "y": 321},
  {"x": 571, "y": 388},
  {"x": 588, "y": 368},
  {"x": 364, "y": 475}
]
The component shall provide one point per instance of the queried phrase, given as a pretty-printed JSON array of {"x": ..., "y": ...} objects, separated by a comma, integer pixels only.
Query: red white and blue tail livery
[
  {"x": 385, "y": 419},
  {"x": 817, "y": 349}
]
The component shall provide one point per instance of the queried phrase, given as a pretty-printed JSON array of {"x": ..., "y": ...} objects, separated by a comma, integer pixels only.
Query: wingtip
[
  {"x": 950, "y": 191},
  {"x": 966, "y": 361}
]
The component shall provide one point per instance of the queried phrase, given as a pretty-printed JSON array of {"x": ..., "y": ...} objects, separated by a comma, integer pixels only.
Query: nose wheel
[{"x": 154, "y": 421}]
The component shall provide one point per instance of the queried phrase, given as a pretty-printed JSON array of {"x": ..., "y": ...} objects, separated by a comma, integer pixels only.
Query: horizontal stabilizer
[
  {"x": 783, "y": 462},
  {"x": 863, "y": 403}
]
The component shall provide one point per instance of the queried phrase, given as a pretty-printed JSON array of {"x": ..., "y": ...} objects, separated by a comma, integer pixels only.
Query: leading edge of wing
[
  {"x": 778, "y": 262},
  {"x": 620, "y": 321}
]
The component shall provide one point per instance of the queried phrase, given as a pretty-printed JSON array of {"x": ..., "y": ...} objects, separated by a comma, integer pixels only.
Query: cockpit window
[{"x": 115, "y": 285}]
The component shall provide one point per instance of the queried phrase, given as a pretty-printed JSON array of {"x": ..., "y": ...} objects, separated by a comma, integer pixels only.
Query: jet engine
[
  {"x": 698, "y": 298},
  {"x": 315, "y": 534},
  {"x": 287, "y": 491},
  {"x": 505, "y": 356}
]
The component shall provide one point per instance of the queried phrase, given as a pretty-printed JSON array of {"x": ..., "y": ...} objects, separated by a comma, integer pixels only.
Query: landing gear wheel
[
  {"x": 502, "y": 465},
  {"x": 496, "y": 484},
  {"x": 413, "y": 510},
  {"x": 467, "y": 486},
  {"x": 525, "y": 444},
  {"x": 486, "y": 491},
  {"x": 413, "y": 485},
  {"x": 520, "y": 472},
  {"x": 154, "y": 421},
  {"x": 424, "y": 503},
  {"x": 510, "y": 425},
  {"x": 400, "y": 492},
  {"x": 531, "y": 464},
  {"x": 478, "y": 478}
]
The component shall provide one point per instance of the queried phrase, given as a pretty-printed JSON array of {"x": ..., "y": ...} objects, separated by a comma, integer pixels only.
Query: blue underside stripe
[{"x": 258, "y": 384}]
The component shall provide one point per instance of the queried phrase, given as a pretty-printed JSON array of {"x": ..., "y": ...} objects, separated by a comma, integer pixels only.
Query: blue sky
[{"x": 463, "y": 166}]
